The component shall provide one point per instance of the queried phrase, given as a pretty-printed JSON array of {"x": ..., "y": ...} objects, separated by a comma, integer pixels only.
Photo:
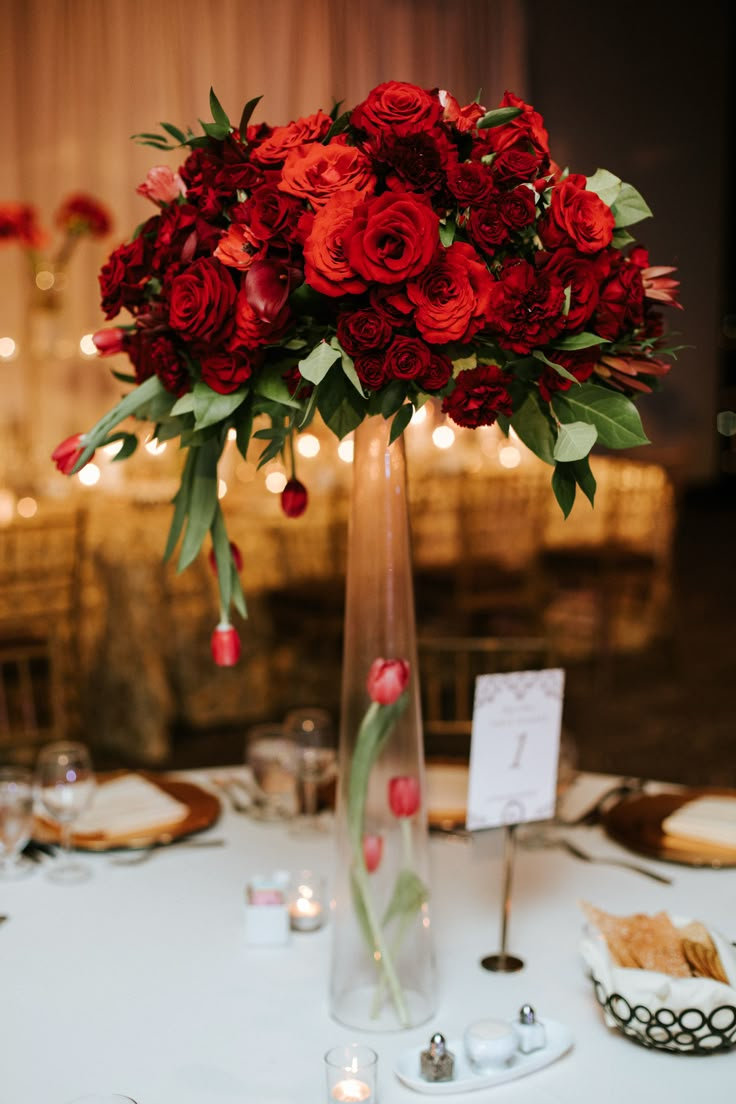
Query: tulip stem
[{"x": 292, "y": 459}]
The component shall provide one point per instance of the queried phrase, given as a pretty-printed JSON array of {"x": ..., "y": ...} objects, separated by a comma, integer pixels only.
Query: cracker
[{"x": 704, "y": 960}]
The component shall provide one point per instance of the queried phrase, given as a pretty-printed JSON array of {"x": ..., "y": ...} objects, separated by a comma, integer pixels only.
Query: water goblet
[
  {"x": 16, "y": 820},
  {"x": 65, "y": 785},
  {"x": 312, "y": 731}
]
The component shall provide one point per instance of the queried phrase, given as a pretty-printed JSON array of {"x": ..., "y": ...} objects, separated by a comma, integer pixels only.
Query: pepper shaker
[
  {"x": 529, "y": 1031},
  {"x": 437, "y": 1062}
]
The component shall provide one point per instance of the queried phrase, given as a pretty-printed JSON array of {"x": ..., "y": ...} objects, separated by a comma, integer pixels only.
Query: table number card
[{"x": 514, "y": 747}]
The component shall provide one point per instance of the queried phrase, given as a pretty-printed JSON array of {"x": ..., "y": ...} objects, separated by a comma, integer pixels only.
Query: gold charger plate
[
  {"x": 447, "y": 788},
  {"x": 636, "y": 823},
  {"x": 203, "y": 810}
]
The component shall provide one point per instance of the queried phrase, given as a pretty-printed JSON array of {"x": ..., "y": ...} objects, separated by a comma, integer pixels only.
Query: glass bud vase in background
[{"x": 382, "y": 975}]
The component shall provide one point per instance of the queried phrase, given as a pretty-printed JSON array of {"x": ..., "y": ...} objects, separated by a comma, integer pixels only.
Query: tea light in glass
[
  {"x": 351, "y": 1074},
  {"x": 306, "y": 902}
]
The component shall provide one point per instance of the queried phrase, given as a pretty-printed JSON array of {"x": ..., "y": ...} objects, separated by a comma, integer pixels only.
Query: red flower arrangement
[
  {"x": 362, "y": 263},
  {"x": 78, "y": 216}
]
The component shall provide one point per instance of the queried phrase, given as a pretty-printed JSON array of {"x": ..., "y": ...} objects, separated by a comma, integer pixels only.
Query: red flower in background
[
  {"x": 294, "y": 499},
  {"x": 83, "y": 214},
  {"x": 19, "y": 222},
  {"x": 372, "y": 852},
  {"x": 66, "y": 455},
  {"x": 387, "y": 680},
  {"x": 225, "y": 645},
  {"x": 404, "y": 795}
]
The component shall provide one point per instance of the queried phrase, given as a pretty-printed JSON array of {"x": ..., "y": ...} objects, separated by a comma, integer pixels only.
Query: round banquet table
[{"x": 140, "y": 981}]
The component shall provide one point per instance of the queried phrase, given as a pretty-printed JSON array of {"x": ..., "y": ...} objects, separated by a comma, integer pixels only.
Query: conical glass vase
[{"x": 383, "y": 975}]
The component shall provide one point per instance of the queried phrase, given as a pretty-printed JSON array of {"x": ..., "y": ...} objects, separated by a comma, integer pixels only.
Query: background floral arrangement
[
  {"x": 78, "y": 216},
  {"x": 362, "y": 263}
]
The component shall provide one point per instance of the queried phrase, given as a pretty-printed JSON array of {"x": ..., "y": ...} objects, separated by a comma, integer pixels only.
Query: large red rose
[
  {"x": 583, "y": 275},
  {"x": 394, "y": 105},
  {"x": 526, "y": 307},
  {"x": 202, "y": 300},
  {"x": 516, "y": 166},
  {"x": 621, "y": 302},
  {"x": 407, "y": 358},
  {"x": 392, "y": 237},
  {"x": 525, "y": 131},
  {"x": 362, "y": 331},
  {"x": 317, "y": 172},
  {"x": 225, "y": 372},
  {"x": 478, "y": 397},
  {"x": 326, "y": 265},
  {"x": 517, "y": 207},
  {"x": 273, "y": 150},
  {"x": 577, "y": 217},
  {"x": 451, "y": 296}
]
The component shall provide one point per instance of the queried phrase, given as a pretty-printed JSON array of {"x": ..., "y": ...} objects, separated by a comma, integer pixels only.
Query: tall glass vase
[{"x": 382, "y": 974}]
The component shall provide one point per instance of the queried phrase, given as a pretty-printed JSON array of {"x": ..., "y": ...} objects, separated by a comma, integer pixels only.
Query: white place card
[{"x": 514, "y": 747}]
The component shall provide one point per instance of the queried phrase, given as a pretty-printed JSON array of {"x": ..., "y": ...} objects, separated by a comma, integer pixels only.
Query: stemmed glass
[
  {"x": 65, "y": 785},
  {"x": 311, "y": 730},
  {"x": 16, "y": 820}
]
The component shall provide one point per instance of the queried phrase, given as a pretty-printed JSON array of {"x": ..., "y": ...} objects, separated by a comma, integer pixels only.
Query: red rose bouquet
[{"x": 363, "y": 263}]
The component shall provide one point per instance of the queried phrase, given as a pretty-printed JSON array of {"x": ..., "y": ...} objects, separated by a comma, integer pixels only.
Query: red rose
[
  {"x": 621, "y": 303},
  {"x": 225, "y": 645},
  {"x": 479, "y": 396},
  {"x": 392, "y": 303},
  {"x": 362, "y": 331},
  {"x": 123, "y": 277},
  {"x": 580, "y": 364},
  {"x": 66, "y": 455},
  {"x": 407, "y": 358},
  {"x": 225, "y": 372},
  {"x": 82, "y": 214},
  {"x": 392, "y": 237},
  {"x": 526, "y": 307},
  {"x": 516, "y": 166},
  {"x": 387, "y": 680},
  {"x": 437, "y": 375},
  {"x": 403, "y": 795},
  {"x": 326, "y": 265},
  {"x": 317, "y": 172},
  {"x": 394, "y": 105},
  {"x": 269, "y": 213},
  {"x": 463, "y": 119},
  {"x": 202, "y": 301},
  {"x": 294, "y": 498},
  {"x": 471, "y": 184},
  {"x": 576, "y": 217},
  {"x": 583, "y": 275},
  {"x": 273, "y": 149},
  {"x": 451, "y": 296},
  {"x": 371, "y": 369},
  {"x": 517, "y": 207},
  {"x": 520, "y": 133},
  {"x": 487, "y": 228}
]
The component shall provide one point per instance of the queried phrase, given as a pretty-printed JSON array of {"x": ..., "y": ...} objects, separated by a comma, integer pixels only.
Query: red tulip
[
  {"x": 387, "y": 680},
  {"x": 403, "y": 795},
  {"x": 109, "y": 342},
  {"x": 66, "y": 455},
  {"x": 234, "y": 552},
  {"x": 294, "y": 499},
  {"x": 372, "y": 852},
  {"x": 225, "y": 644}
]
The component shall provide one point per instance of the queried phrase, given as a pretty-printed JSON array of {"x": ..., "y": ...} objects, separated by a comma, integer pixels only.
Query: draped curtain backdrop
[{"x": 79, "y": 77}]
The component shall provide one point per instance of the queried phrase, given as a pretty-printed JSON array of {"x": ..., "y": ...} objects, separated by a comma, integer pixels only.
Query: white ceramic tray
[{"x": 467, "y": 1079}]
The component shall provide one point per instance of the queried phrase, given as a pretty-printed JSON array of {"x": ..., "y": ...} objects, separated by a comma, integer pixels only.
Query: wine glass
[
  {"x": 65, "y": 785},
  {"x": 16, "y": 820},
  {"x": 103, "y": 1098},
  {"x": 311, "y": 730}
]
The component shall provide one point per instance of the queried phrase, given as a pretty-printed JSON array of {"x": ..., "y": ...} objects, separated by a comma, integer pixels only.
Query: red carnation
[
  {"x": 478, "y": 397},
  {"x": 526, "y": 307},
  {"x": 82, "y": 214}
]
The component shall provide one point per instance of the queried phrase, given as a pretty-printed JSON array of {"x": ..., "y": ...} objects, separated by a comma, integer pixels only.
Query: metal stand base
[{"x": 502, "y": 963}]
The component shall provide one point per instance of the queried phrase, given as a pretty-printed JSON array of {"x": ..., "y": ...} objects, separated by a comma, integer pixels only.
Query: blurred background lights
[
  {"x": 345, "y": 450},
  {"x": 232, "y": 434},
  {"x": 87, "y": 345},
  {"x": 307, "y": 445},
  {"x": 155, "y": 447},
  {"x": 8, "y": 348},
  {"x": 275, "y": 482},
  {"x": 7, "y": 506},
  {"x": 419, "y": 416},
  {"x": 27, "y": 507},
  {"x": 44, "y": 280},
  {"x": 112, "y": 449},
  {"x": 245, "y": 471},
  {"x": 509, "y": 456},
  {"x": 443, "y": 437},
  {"x": 221, "y": 488},
  {"x": 89, "y": 475}
]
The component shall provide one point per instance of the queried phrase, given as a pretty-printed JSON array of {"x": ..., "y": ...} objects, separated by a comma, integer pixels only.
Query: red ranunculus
[
  {"x": 362, "y": 331},
  {"x": 526, "y": 307},
  {"x": 478, "y": 397},
  {"x": 109, "y": 342},
  {"x": 372, "y": 852},
  {"x": 387, "y": 680},
  {"x": 317, "y": 172},
  {"x": 392, "y": 237},
  {"x": 326, "y": 265},
  {"x": 66, "y": 455},
  {"x": 202, "y": 300},
  {"x": 404, "y": 795},
  {"x": 576, "y": 217},
  {"x": 452, "y": 295},
  {"x": 273, "y": 149},
  {"x": 225, "y": 645},
  {"x": 294, "y": 498},
  {"x": 406, "y": 358},
  {"x": 239, "y": 247},
  {"x": 225, "y": 372},
  {"x": 397, "y": 106}
]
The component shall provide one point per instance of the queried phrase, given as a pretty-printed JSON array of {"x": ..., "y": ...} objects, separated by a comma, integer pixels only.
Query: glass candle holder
[
  {"x": 307, "y": 903},
  {"x": 351, "y": 1074}
]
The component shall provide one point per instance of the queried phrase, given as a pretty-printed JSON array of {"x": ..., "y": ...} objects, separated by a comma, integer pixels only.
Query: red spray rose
[
  {"x": 66, "y": 455},
  {"x": 387, "y": 680},
  {"x": 225, "y": 645},
  {"x": 406, "y": 358},
  {"x": 225, "y": 372},
  {"x": 362, "y": 331},
  {"x": 274, "y": 147},
  {"x": 371, "y": 369},
  {"x": 479, "y": 396},
  {"x": 372, "y": 852},
  {"x": 403, "y": 795},
  {"x": 294, "y": 498}
]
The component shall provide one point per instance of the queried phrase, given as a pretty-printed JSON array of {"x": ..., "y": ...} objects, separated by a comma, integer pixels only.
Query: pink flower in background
[
  {"x": 225, "y": 645},
  {"x": 372, "y": 852},
  {"x": 294, "y": 498},
  {"x": 109, "y": 342},
  {"x": 404, "y": 795},
  {"x": 162, "y": 186},
  {"x": 66, "y": 455},
  {"x": 387, "y": 680}
]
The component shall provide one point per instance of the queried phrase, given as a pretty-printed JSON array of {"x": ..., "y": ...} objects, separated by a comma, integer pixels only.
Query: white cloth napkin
[
  {"x": 707, "y": 819},
  {"x": 127, "y": 806}
]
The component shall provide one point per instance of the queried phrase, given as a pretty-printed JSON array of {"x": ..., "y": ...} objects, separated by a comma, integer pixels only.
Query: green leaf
[
  {"x": 534, "y": 427},
  {"x": 218, "y": 112},
  {"x": 315, "y": 367},
  {"x": 726, "y": 422},
  {"x": 211, "y": 407},
  {"x": 348, "y": 367},
  {"x": 124, "y": 377},
  {"x": 409, "y": 894},
  {"x": 565, "y": 487},
  {"x": 578, "y": 341},
  {"x": 179, "y": 135},
  {"x": 393, "y": 397},
  {"x": 133, "y": 402},
  {"x": 243, "y": 430},
  {"x": 622, "y": 238},
  {"x": 361, "y": 913},
  {"x": 246, "y": 115},
  {"x": 202, "y": 501},
  {"x": 236, "y": 592},
  {"x": 183, "y": 405},
  {"x": 498, "y": 117},
  {"x": 272, "y": 385},
  {"x": 584, "y": 478},
  {"x": 223, "y": 558},
  {"x": 181, "y": 505},
  {"x": 339, "y": 126},
  {"x": 630, "y": 207},
  {"x": 215, "y": 130},
  {"x": 605, "y": 185},
  {"x": 129, "y": 445},
  {"x": 400, "y": 422},
  {"x": 447, "y": 232},
  {"x": 561, "y": 371},
  {"x": 574, "y": 441},
  {"x": 169, "y": 428},
  {"x": 613, "y": 415}
]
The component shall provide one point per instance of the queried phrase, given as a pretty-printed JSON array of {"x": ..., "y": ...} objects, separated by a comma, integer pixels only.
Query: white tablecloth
[{"x": 140, "y": 980}]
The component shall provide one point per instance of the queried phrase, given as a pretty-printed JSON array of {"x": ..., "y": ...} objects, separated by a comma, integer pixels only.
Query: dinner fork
[
  {"x": 578, "y": 853},
  {"x": 136, "y": 858}
]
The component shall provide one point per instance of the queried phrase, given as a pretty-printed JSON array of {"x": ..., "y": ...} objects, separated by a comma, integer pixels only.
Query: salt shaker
[
  {"x": 529, "y": 1032},
  {"x": 437, "y": 1062}
]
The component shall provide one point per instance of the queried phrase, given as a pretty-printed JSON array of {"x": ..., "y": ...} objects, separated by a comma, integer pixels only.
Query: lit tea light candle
[
  {"x": 351, "y": 1091},
  {"x": 306, "y": 914}
]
